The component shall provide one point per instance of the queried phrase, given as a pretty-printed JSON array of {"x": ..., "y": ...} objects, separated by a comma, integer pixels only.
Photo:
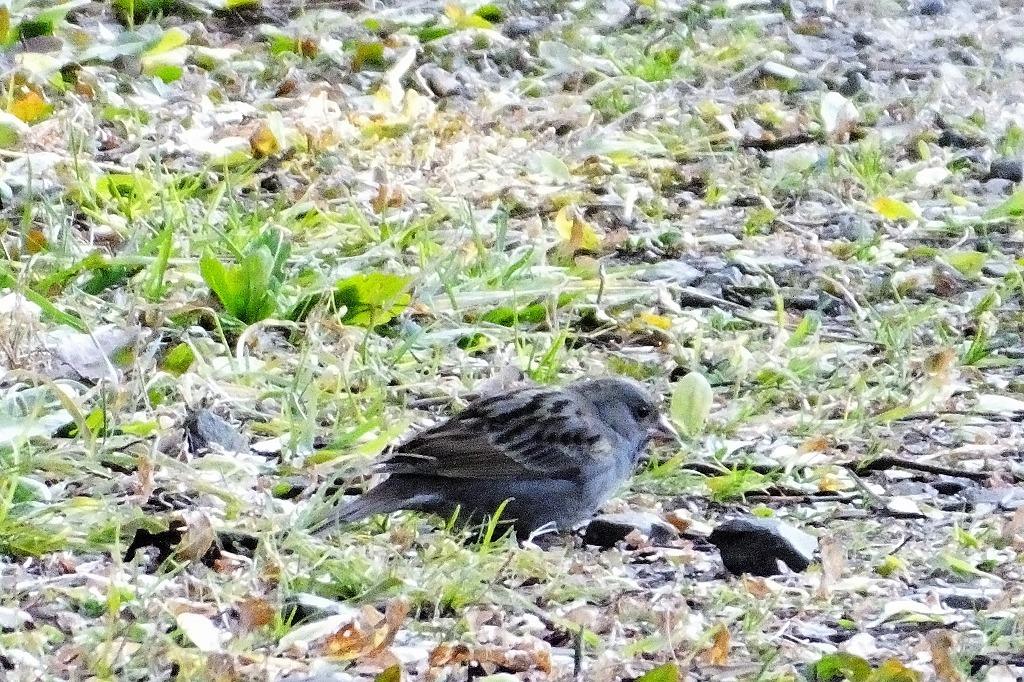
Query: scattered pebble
[
  {"x": 930, "y": 8},
  {"x": 1006, "y": 169},
  {"x": 608, "y": 529},
  {"x": 756, "y": 546}
]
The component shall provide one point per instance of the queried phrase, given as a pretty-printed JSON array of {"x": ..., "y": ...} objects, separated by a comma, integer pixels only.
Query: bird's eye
[{"x": 642, "y": 411}]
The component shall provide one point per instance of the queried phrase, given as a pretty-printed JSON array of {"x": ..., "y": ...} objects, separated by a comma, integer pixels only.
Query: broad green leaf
[
  {"x": 12, "y": 129},
  {"x": 463, "y": 19},
  {"x": 372, "y": 299},
  {"x": 666, "y": 672},
  {"x": 1012, "y": 207},
  {"x": 892, "y": 670},
  {"x": 392, "y": 674},
  {"x": 551, "y": 165},
  {"x": 124, "y": 186},
  {"x": 893, "y": 209},
  {"x": 691, "y": 402},
  {"x": 434, "y": 32},
  {"x": 967, "y": 263},
  {"x": 168, "y": 73},
  {"x": 508, "y": 316},
  {"x": 898, "y": 412},
  {"x": 171, "y": 39},
  {"x": 244, "y": 289},
  {"x": 842, "y": 666},
  {"x": 179, "y": 359},
  {"x": 808, "y": 325},
  {"x": 491, "y": 13},
  {"x": 891, "y": 565},
  {"x": 5, "y": 27}
]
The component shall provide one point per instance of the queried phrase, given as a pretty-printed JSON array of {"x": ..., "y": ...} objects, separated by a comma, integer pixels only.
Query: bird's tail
[{"x": 390, "y": 496}]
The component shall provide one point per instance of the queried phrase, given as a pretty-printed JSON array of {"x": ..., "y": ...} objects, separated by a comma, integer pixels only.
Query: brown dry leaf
[
  {"x": 680, "y": 519},
  {"x": 940, "y": 363},
  {"x": 830, "y": 484},
  {"x": 757, "y": 586},
  {"x": 1013, "y": 530},
  {"x": 942, "y": 643},
  {"x": 718, "y": 652},
  {"x": 309, "y": 47},
  {"x": 387, "y": 197},
  {"x": 833, "y": 562},
  {"x": 517, "y": 654},
  {"x": 395, "y": 615},
  {"x": 813, "y": 444},
  {"x": 35, "y": 242},
  {"x": 449, "y": 654},
  {"x": 347, "y": 643},
  {"x": 145, "y": 471},
  {"x": 197, "y": 538},
  {"x": 254, "y": 613}
]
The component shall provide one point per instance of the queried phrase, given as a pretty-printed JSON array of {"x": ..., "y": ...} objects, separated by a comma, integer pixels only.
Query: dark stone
[
  {"x": 863, "y": 39},
  {"x": 951, "y": 486},
  {"x": 987, "y": 500},
  {"x": 204, "y": 429},
  {"x": 303, "y": 608},
  {"x": 930, "y": 8},
  {"x": 966, "y": 602},
  {"x": 521, "y": 27},
  {"x": 951, "y": 138},
  {"x": 1006, "y": 169},
  {"x": 607, "y": 529},
  {"x": 756, "y": 546}
]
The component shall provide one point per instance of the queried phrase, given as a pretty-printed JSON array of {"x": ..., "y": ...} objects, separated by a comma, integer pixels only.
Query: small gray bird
[{"x": 555, "y": 454}]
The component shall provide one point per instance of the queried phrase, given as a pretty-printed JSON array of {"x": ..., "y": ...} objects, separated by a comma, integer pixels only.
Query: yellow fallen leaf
[
  {"x": 656, "y": 320},
  {"x": 718, "y": 652},
  {"x": 30, "y": 107},
  {"x": 263, "y": 142},
  {"x": 576, "y": 232},
  {"x": 893, "y": 209}
]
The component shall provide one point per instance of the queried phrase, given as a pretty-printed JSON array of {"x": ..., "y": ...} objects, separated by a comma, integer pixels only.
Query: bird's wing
[{"x": 530, "y": 433}]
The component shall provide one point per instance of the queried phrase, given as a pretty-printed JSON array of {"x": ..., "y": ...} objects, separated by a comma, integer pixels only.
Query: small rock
[
  {"x": 854, "y": 83},
  {"x": 439, "y": 81},
  {"x": 952, "y": 486},
  {"x": 607, "y": 529},
  {"x": 11, "y": 618},
  {"x": 931, "y": 8},
  {"x": 863, "y": 39},
  {"x": 951, "y": 138},
  {"x": 966, "y": 602},
  {"x": 964, "y": 56},
  {"x": 770, "y": 68},
  {"x": 674, "y": 271},
  {"x": 204, "y": 429},
  {"x": 987, "y": 500},
  {"x": 1006, "y": 169},
  {"x": 521, "y": 27},
  {"x": 755, "y": 546}
]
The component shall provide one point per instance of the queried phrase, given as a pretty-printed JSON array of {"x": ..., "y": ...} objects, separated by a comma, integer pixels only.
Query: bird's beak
[{"x": 664, "y": 431}]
